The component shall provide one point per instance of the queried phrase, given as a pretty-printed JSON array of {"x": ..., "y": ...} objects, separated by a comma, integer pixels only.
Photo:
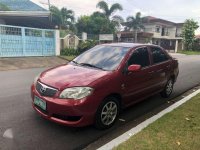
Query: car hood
[{"x": 70, "y": 75}]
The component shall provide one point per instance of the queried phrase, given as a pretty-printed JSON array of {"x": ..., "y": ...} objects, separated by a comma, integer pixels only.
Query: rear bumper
[{"x": 67, "y": 112}]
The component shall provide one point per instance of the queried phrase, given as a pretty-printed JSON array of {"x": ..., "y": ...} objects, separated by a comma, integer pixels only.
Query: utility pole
[
  {"x": 50, "y": 10},
  {"x": 49, "y": 4}
]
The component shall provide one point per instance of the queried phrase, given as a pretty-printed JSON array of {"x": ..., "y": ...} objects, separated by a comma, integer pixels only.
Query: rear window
[{"x": 158, "y": 55}]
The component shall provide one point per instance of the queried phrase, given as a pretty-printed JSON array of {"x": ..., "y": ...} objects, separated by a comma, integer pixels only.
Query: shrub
[
  {"x": 70, "y": 52},
  {"x": 196, "y": 45},
  {"x": 84, "y": 46}
]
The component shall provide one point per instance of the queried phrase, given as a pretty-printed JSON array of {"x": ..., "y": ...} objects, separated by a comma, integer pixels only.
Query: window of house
[
  {"x": 158, "y": 29},
  {"x": 140, "y": 57},
  {"x": 158, "y": 55}
]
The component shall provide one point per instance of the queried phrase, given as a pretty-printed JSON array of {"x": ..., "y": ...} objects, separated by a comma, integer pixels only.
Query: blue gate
[{"x": 21, "y": 41}]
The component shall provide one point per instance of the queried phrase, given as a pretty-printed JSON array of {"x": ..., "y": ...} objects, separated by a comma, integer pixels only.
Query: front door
[{"x": 138, "y": 85}]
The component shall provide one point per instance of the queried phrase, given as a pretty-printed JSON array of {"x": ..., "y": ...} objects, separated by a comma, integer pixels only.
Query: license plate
[{"x": 40, "y": 103}]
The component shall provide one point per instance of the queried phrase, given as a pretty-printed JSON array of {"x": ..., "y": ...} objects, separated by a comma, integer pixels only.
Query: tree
[
  {"x": 4, "y": 7},
  {"x": 64, "y": 18},
  {"x": 188, "y": 33},
  {"x": 83, "y": 24},
  {"x": 135, "y": 24},
  {"x": 95, "y": 24},
  {"x": 109, "y": 12}
]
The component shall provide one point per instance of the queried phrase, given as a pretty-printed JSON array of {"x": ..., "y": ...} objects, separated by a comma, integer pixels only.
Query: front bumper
[{"x": 67, "y": 112}]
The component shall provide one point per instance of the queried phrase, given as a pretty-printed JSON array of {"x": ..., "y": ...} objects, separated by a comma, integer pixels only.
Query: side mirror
[{"x": 134, "y": 68}]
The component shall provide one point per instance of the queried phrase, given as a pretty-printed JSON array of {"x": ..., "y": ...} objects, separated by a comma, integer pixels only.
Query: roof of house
[
  {"x": 21, "y": 5},
  {"x": 130, "y": 34},
  {"x": 150, "y": 19}
]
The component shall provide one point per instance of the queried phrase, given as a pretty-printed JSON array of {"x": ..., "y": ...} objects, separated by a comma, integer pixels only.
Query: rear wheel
[
  {"x": 168, "y": 88},
  {"x": 107, "y": 113}
]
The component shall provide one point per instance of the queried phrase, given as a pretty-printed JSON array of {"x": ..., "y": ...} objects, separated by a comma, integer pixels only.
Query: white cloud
[
  {"x": 80, "y": 7},
  {"x": 143, "y": 12}
]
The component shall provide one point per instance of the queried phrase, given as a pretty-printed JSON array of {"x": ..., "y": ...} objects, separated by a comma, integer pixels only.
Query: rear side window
[
  {"x": 140, "y": 57},
  {"x": 158, "y": 55}
]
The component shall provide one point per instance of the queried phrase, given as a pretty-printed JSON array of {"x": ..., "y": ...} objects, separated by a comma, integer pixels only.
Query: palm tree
[
  {"x": 64, "y": 18},
  {"x": 109, "y": 12},
  {"x": 135, "y": 24},
  {"x": 67, "y": 15}
]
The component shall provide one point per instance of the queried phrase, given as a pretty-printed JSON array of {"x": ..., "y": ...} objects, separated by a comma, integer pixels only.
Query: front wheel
[
  {"x": 107, "y": 113},
  {"x": 168, "y": 89}
]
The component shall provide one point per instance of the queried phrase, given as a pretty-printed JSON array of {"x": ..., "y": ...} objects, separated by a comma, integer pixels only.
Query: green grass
[
  {"x": 69, "y": 58},
  {"x": 189, "y": 52},
  {"x": 177, "y": 130}
]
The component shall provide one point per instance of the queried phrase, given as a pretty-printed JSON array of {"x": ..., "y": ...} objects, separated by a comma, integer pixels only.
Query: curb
[{"x": 124, "y": 137}]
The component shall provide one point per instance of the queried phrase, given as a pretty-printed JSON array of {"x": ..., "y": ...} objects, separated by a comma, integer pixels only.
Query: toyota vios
[{"x": 96, "y": 85}]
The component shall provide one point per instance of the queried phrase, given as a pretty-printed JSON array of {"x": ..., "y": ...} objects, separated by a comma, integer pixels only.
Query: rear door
[{"x": 161, "y": 65}]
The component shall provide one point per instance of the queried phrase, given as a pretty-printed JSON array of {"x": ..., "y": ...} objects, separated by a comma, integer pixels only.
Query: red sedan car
[{"x": 93, "y": 87}]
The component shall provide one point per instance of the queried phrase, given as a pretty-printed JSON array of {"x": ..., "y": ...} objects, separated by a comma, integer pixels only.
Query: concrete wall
[
  {"x": 69, "y": 42},
  {"x": 179, "y": 30},
  {"x": 172, "y": 32},
  {"x": 57, "y": 40}
]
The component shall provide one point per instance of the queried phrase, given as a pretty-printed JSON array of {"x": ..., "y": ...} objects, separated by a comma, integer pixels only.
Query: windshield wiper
[
  {"x": 90, "y": 65},
  {"x": 74, "y": 62}
]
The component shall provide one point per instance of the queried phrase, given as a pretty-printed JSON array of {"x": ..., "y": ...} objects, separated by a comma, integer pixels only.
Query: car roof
[{"x": 128, "y": 45}]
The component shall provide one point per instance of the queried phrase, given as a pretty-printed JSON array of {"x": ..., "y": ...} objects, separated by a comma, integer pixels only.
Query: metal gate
[{"x": 21, "y": 41}]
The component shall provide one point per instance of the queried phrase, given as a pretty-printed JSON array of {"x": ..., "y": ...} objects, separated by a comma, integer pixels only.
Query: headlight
[
  {"x": 36, "y": 79},
  {"x": 76, "y": 93}
]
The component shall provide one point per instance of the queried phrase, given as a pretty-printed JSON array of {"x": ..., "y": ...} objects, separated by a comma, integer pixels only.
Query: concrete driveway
[
  {"x": 29, "y": 62},
  {"x": 32, "y": 132}
]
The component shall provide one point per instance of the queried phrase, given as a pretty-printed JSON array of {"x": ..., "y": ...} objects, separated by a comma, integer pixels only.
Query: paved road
[{"x": 34, "y": 133}]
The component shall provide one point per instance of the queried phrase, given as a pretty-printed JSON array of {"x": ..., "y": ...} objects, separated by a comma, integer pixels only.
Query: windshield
[{"x": 102, "y": 57}]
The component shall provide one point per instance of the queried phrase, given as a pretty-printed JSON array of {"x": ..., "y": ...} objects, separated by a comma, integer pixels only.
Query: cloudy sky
[{"x": 173, "y": 10}]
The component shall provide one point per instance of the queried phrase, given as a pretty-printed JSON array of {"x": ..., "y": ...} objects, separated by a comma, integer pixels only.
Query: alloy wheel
[{"x": 109, "y": 113}]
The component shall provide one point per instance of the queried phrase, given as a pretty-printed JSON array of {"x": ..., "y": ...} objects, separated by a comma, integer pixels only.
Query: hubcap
[
  {"x": 169, "y": 87},
  {"x": 109, "y": 113}
]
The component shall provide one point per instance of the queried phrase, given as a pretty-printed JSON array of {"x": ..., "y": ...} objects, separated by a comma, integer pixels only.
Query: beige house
[
  {"x": 165, "y": 33},
  {"x": 69, "y": 41},
  {"x": 158, "y": 31}
]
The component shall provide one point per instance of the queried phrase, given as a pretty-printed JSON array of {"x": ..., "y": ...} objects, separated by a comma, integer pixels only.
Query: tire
[
  {"x": 107, "y": 113},
  {"x": 168, "y": 88}
]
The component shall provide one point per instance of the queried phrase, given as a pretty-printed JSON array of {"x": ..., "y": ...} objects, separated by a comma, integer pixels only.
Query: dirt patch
[{"x": 29, "y": 62}]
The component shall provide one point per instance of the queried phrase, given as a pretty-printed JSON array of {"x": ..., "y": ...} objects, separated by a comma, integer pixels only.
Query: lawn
[
  {"x": 189, "y": 52},
  {"x": 179, "y": 129},
  {"x": 69, "y": 58}
]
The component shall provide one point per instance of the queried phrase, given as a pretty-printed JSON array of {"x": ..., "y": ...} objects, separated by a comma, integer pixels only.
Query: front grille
[
  {"x": 67, "y": 118},
  {"x": 45, "y": 90}
]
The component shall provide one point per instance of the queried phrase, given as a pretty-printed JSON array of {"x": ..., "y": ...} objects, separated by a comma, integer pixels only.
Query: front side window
[
  {"x": 158, "y": 55},
  {"x": 102, "y": 57},
  {"x": 140, "y": 57}
]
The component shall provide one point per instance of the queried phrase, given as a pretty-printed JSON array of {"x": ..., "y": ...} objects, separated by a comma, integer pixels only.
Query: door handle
[
  {"x": 151, "y": 72},
  {"x": 168, "y": 66}
]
